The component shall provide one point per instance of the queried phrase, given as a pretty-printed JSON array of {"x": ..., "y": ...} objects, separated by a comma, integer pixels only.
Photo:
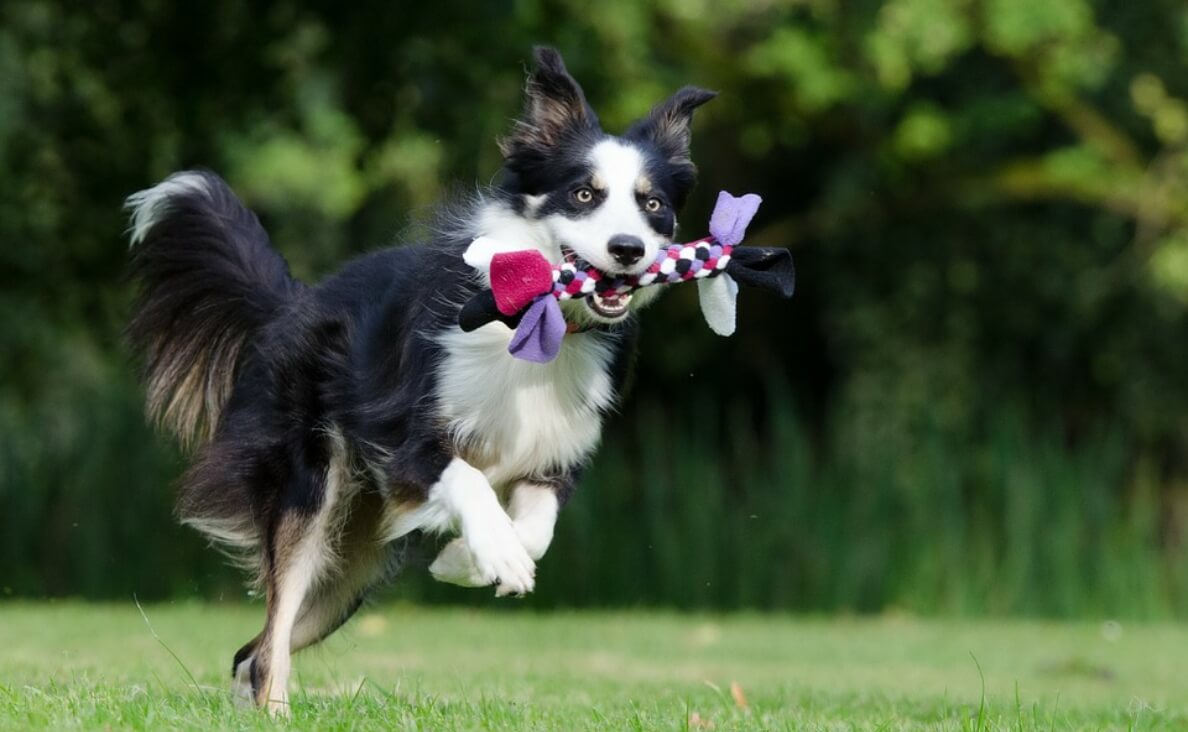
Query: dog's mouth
[{"x": 609, "y": 307}]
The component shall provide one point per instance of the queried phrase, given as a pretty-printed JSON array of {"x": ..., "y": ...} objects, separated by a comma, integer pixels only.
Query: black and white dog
[{"x": 329, "y": 421}]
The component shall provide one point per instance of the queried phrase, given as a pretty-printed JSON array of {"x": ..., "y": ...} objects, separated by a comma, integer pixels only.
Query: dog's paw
[
  {"x": 505, "y": 589},
  {"x": 278, "y": 706},
  {"x": 455, "y": 565},
  {"x": 500, "y": 558},
  {"x": 241, "y": 686}
]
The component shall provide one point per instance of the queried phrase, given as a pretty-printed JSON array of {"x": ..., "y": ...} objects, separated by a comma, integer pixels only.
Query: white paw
[
  {"x": 506, "y": 589},
  {"x": 499, "y": 557},
  {"x": 241, "y": 687},
  {"x": 278, "y": 705},
  {"x": 455, "y": 565},
  {"x": 244, "y": 698}
]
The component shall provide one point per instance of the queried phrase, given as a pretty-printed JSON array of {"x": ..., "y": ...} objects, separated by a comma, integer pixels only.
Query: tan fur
[
  {"x": 190, "y": 403},
  {"x": 673, "y": 133}
]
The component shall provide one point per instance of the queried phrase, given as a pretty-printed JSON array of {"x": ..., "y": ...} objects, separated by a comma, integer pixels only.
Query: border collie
[{"x": 329, "y": 421}]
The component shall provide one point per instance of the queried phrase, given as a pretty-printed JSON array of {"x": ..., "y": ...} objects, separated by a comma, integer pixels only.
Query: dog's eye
[
  {"x": 583, "y": 195},
  {"x": 653, "y": 204}
]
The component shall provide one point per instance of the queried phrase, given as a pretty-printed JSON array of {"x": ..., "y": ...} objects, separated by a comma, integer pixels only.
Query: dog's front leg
[
  {"x": 533, "y": 509},
  {"x": 489, "y": 549}
]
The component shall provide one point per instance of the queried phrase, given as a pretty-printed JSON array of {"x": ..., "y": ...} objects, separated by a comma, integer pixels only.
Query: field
[{"x": 76, "y": 666}]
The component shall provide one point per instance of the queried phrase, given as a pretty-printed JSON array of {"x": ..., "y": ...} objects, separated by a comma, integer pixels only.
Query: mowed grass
[{"x": 78, "y": 666}]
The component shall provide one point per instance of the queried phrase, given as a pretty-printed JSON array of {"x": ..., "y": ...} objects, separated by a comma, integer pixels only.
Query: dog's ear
[
  {"x": 554, "y": 107},
  {"x": 668, "y": 125}
]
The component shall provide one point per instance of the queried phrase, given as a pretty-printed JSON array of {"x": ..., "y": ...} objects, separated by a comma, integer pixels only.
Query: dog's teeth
[{"x": 610, "y": 306}]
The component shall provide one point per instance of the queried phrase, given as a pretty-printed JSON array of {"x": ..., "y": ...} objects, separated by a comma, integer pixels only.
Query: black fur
[
  {"x": 545, "y": 145},
  {"x": 208, "y": 282},
  {"x": 667, "y": 132}
]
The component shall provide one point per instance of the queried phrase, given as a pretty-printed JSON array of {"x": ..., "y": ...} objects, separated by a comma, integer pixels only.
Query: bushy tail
[{"x": 207, "y": 281}]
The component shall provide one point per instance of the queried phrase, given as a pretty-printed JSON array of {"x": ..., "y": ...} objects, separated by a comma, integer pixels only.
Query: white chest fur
[{"x": 515, "y": 418}]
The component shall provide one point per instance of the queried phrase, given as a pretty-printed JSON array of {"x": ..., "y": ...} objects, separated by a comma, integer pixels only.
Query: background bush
[{"x": 976, "y": 403}]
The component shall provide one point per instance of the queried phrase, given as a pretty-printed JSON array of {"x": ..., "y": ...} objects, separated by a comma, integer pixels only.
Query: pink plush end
[{"x": 519, "y": 277}]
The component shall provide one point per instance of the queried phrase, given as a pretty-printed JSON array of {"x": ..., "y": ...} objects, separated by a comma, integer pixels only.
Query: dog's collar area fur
[
  {"x": 572, "y": 327},
  {"x": 526, "y": 288}
]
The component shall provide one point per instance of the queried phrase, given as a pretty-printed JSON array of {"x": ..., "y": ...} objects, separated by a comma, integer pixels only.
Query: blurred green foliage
[{"x": 976, "y": 403}]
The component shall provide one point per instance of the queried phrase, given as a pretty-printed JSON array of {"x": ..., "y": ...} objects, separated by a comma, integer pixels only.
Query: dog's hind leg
[
  {"x": 360, "y": 561},
  {"x": 298, "y": 552},
  {"x": 365, "y": 561},
  {"x": 297, "y": 556},
  {"x": 241, "y": 672},
  {"x": 324, "y": 610}
]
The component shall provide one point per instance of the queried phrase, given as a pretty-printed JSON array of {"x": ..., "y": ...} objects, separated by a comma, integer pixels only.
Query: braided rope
[{"x": 675, "y": 263}]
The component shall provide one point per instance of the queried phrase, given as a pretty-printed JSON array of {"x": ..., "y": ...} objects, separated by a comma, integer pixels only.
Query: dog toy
[{"x": 526, "y": 288}]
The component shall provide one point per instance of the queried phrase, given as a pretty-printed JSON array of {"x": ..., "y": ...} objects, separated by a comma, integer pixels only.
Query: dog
[{"x": 330, "y": 423}]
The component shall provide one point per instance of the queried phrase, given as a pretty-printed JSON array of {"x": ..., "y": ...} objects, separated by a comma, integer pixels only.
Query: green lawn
[{"x": 397, "y": 667}]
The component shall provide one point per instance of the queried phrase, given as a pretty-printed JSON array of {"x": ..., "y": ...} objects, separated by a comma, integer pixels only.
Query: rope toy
[{"x": 526, "y": 289}]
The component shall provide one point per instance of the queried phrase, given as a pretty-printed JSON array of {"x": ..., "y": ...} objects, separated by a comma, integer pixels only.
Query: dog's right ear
[
  {"x": 669, "y": 125},
  {"x": 554, "y": 108}
]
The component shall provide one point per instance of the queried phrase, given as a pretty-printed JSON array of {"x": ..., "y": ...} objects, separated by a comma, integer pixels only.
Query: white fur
[
  {"x": 149, "y": 206},
  {"x": 480, "y": 252},
  {"x": 237, "y": 538},
  {"x": 296, "y": 581},
  {"x": 431, "y": 515},
  {"x": 454, "y": 565},
  {"x": 241, "y": 686},
  {"x": 619, "y": 171},
  {"x": 516, "y": 418},
  {"x": 439, "y": 512},
  {"x": 500, "y": 229},
  {"x": 488, "y": 551},
  {"x": 533, "y": 511},
  {"x": 235, "y": 534},
  {"x": 463, "y": 494}
]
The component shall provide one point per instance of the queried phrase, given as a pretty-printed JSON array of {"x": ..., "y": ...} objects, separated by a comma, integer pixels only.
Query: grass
[{"x": 77, "y": 666}]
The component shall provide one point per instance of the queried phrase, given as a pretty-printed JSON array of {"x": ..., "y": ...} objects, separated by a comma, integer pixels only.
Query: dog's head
[{"x": 609, "y": 200}]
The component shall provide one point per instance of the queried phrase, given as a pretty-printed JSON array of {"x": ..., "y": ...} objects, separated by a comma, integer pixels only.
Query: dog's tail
[{"x": 208, "y": 280}]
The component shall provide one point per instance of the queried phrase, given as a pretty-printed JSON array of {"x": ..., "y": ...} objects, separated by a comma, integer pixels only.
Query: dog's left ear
[
  {"x": 554, "y": 108},
  {"x": 668, "y": 126}
]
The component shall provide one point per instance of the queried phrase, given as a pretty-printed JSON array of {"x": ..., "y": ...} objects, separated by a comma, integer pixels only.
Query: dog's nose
[{"x": 626, "y": 249}]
